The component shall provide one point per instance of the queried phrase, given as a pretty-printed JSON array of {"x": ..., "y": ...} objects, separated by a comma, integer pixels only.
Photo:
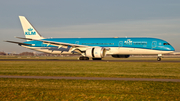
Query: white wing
[{"x": 59, "y": 44}]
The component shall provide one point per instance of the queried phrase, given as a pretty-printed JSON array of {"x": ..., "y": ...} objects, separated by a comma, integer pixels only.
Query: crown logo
[{"x": 30, "y": 29}]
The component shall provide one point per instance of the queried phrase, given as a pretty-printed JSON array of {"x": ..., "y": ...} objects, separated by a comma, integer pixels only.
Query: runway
[
  {"x": 89, "y": 60},
  {"x": 91, "y": 78}
]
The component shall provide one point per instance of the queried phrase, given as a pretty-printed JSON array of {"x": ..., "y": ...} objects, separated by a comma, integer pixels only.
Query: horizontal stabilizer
[{"x": 19, "y": 43}]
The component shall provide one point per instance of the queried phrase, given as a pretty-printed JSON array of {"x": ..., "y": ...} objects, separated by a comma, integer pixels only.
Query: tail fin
[{"x": 29, "y": 30}]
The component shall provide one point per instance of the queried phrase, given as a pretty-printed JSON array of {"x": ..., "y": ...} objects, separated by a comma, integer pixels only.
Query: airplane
[{"x": 95, "y": 48}]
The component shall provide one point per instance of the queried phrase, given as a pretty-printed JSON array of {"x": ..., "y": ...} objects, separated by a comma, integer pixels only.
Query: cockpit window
[{"x": 166, "y": 44}]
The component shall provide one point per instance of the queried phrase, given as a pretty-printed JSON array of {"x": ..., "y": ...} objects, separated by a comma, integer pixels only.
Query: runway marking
[{"x": 91, "y": 78}]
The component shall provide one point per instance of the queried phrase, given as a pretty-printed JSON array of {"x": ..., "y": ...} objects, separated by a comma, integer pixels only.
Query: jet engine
[
  {"x": 120, "y": 56},
  {"x": 96, "y": 52}
]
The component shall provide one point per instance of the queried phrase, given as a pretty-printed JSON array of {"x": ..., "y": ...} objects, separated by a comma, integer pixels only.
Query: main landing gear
[
  {"x": 83, "y": 58},
  {"x": 87, "y": 58},
  {"x": 96, "y": 58}
]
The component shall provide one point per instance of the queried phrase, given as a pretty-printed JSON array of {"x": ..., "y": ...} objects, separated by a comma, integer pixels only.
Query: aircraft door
[
  {"x": 120, "y": 44},
  {"x": 154, "y": 44}
]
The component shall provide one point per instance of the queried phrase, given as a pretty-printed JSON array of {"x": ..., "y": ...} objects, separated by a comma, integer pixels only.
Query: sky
[{"x": 90, "y": 18}]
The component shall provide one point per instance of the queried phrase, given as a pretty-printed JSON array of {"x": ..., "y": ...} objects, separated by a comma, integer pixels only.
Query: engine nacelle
[
  {"x": 120, "y": 56},
  {"x": 96, "y": 52}
]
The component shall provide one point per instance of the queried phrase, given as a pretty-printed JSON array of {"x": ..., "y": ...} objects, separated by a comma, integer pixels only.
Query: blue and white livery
[{"x": 95, "y": 48}]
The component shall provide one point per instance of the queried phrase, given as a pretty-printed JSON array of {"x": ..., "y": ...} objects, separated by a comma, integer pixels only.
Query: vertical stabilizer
[{"x": 29, "y": 30}]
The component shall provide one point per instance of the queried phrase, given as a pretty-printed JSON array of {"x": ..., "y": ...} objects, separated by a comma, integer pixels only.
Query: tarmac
[{"x": 89, "y": 60}]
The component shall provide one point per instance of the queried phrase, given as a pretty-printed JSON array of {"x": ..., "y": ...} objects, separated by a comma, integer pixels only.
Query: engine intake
[{"x": 96, "y": 52}]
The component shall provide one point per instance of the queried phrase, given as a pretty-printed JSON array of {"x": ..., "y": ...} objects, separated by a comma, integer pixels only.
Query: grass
[
  {"x": 80, "y": 90},
  {"x": 91, "y": 69},
  {"x": 90, "y": 90}
]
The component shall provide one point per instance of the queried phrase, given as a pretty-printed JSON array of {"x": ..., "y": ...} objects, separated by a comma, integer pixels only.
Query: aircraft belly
[{"x": 122, "y": 50}]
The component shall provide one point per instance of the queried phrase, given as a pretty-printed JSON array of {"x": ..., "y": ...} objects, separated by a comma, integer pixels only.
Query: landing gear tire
[
  {"x": 83, "y": 58},
  {"x": 96, "y": 58},
  {"x": 159, "y": 59}
]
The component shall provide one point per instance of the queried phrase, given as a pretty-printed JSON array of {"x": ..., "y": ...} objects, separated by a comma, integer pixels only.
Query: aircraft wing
[
  {"x": 19, "y": 43},
  {"x": 59, "y": 44}
]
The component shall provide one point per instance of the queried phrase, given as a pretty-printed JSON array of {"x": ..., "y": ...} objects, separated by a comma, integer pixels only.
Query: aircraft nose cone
[{"x": 172, "y": 48}]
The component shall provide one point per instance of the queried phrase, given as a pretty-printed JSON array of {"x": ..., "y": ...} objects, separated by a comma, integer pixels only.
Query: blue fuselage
[{"x": 140, "y": 43}]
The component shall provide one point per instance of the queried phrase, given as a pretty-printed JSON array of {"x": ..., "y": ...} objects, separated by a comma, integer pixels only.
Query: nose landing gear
[{"x": 159, "y": 57}]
